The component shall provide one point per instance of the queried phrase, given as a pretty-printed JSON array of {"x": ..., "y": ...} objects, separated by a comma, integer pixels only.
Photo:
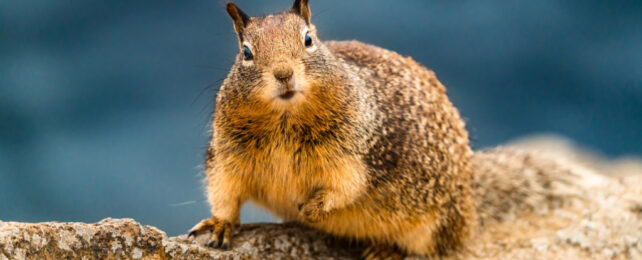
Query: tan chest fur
[
  {"x": 275, "y": 180},
  {"x": 277, "y": 187}
]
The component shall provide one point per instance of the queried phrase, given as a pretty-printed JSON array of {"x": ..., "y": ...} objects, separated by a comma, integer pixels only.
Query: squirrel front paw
[
  {"x": 314, "y": 210},
  {"x": 221, "y": 232}
]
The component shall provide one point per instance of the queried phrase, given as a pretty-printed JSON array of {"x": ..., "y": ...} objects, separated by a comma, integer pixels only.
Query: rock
[
  {"x": 596, "y": 215},
  {"x": 127, "y": 239}
]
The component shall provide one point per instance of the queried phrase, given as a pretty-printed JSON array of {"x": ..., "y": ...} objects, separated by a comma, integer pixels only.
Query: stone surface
[
  {"x": 127, "y": 239},
  {"x": 601, "y": 218}
]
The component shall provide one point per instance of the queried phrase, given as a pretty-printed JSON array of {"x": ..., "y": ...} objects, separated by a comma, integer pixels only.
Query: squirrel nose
[{"x": 283, "y": 75}]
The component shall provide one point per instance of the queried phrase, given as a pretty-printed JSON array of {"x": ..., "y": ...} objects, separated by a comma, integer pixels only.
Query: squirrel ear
[
  {"x": 302, "y": 8},
  {"x": 238, "y": 16}
]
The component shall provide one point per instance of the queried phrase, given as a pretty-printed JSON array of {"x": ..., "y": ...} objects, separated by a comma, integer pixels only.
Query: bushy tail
[{"x": 509, "y": 182}]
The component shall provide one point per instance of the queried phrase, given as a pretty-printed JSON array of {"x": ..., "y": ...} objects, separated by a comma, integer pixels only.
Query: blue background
[{"x": 105, "y": 105}]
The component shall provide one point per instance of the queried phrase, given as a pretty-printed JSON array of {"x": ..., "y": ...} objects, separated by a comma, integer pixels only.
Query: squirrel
[{"x": 345, "y": 137}]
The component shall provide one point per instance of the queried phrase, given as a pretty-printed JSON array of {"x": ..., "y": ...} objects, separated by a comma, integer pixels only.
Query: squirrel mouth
[{"x": 287, "y": 94}]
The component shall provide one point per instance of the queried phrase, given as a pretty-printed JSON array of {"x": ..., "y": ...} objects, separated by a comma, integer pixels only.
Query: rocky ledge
[
  {"x": 601, "y": 220},
  {"x": 127, "y": 239}
]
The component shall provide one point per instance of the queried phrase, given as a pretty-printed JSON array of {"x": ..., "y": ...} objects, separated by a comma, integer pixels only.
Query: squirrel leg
[{"x": 225, "y": 198}]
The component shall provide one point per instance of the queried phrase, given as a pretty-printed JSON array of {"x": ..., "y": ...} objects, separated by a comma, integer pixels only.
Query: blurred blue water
[{"x": 105, "y": 106}]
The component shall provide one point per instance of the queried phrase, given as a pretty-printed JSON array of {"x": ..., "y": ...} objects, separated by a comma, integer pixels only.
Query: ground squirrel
[{"x": 345, "y": 137}]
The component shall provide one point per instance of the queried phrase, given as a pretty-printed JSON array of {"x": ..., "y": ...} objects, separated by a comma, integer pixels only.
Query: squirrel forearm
[{"x": 225, "y": 195}]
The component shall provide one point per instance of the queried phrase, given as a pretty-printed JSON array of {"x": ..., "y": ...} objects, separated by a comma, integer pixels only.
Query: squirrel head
[{"x": 281, "y": 62}]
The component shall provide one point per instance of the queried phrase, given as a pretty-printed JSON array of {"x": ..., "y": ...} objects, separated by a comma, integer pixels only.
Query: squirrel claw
[
  {"x": 221, "y": 232},
  {"x": 192, "y": 233}
]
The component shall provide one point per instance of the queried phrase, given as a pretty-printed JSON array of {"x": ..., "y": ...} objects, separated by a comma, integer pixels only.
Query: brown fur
[
  {"x": 369, "y": 147},
  {"x": 510, "y": 182}
]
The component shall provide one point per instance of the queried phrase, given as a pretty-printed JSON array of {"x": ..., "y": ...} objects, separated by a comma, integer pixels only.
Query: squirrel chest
[{"x": 281, "y": 171}]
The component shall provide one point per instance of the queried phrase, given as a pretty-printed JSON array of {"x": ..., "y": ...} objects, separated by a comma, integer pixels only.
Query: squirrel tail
[{"x": 509, "y": 182}]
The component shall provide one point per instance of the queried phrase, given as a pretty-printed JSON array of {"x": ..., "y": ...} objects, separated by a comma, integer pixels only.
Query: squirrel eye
[
  {"x": 308, "y": 40},
  {"x": 247, "y": 54}
]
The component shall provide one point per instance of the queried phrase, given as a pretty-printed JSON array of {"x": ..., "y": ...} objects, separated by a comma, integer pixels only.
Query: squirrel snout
[
  {"x": 286, "y": 86},
  {"x": 284, "y": 74}
]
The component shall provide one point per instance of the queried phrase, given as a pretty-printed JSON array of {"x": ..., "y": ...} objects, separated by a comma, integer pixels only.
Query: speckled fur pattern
[
  {"x": 509, "y": 182},
  {"x": 370, "y": 148}
]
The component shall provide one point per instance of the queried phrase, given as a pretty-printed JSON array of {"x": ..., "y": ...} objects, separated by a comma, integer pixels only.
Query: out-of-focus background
[{"x": 105, "y": 105}]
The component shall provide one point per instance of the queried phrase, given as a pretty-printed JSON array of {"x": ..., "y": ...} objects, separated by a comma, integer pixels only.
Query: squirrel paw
[
  {"x": 221, "y": 232},
  {"x": 313, "y": 211},
  {"x": 379, "y": 251}
]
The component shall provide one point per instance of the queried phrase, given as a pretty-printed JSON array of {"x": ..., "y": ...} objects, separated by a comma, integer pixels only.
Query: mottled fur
[
  {"x": 369, "y": 147},
  {"x": 510, "y": 182}
]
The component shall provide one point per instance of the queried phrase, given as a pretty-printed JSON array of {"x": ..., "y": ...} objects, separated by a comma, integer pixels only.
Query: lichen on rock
[{"x": 127, "y": 239}]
